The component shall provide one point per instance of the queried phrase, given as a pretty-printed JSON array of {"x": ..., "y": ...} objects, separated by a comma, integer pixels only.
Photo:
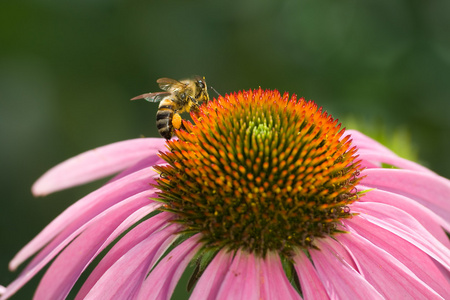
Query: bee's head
[{"x": 202, "y": 89}]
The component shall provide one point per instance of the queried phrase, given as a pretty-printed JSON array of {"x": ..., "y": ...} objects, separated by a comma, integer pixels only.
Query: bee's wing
[
  {"x": 152, "y": 97},
  {"x": 168, "y": 83}
]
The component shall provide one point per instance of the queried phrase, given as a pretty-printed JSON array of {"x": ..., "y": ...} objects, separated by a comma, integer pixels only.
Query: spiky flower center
[{"x": 261, "y": 172}]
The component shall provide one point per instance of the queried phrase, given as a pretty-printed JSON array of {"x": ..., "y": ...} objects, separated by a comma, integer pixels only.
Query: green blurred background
[{"x": 69, "y": 68}]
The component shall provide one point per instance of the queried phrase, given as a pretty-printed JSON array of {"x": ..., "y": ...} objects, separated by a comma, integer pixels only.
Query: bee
[{"x": 177, "y": 97}]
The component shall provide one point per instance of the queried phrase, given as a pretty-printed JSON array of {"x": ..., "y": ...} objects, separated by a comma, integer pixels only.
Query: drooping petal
[
  {"x": 97, "y": 163},
  {"x": 406, "y": 227},
  {"x": 343, "y": 254},
  {"x": 92, "y": 241},
  {"x": 124, "y": 278},
  {"x": 163, "y": 279},
  {"x": 127, "y": 242},
  {"x": 372, "y": 154},
  {"x": 132, "y": 219},
  {"x": 392, "y": 159},
  {"x": 366, "y": 164},
  {"x": 242, "y": 279},
  {"x": 68, "y": 234},
  {"x": 340, "y": 280},
  {"x": 85, "y": 209},
  {"x": 429, "y": 190},
  {"x": 250, "y": 277},
  {"x": 209, "y": 283},
  {"x": 364, "y": 142},
  {"x": 420, "y": 263},
  {"x": 67, "y": 267},
  {"x": 142, "y": 164},
  {"x": 312, "y": 286},
  {"x": 431, "y": 221},
  {"x": 390, "y": 277},
  {"x": 273, "y": 281}
]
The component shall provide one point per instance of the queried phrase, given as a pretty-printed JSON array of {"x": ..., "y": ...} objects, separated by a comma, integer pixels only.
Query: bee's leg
[{"x": 195, "y": 107}]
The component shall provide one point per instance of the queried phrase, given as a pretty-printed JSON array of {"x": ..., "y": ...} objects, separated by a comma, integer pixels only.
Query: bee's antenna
[{"x": 215, "y": 90}]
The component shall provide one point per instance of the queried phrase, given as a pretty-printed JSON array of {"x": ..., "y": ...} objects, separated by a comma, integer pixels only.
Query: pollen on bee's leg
[{"x": 177, "y": 121}]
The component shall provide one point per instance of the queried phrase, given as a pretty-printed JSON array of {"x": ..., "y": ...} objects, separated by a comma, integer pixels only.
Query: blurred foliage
[{"x": 68, "y": 68}]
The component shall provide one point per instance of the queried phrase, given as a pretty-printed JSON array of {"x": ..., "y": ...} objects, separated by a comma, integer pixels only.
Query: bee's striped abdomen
[{"x": 164, "y": 118}]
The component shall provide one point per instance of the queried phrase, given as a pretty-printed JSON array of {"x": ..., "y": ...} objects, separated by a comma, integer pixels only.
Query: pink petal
[
  {"x": 340, "y": 280},
  {"x": 390, "y": 277},
  {"x": 209, "y": 283},
  {"x": 365, "y": 164},
  {"x": 406, "y": 227},
  {"x": 312, "y": 287},
  {"x": 124, "y": 278},
  {"x": 273, "y": 281},
  {"x": 127, "y": 242},
  {"x": 373, "y": 154},
  {"x": 392, "y": 159},
  {"x": 364, "y": 142},
  {"x": 85, "y": 209},
  {"x": 67, "y": 267},
  {"x": 411, "y": 257},
  {"x": 62, "y": 240},
  {"x": 162, "y": 280},
  {"x": 250, "y": 277},
  {"x": 97, "y": 163},
  {"x": 426, "y": 217},
  {"x": 242, "y": 278},
  {"x": 343, "y": 254},
  {"x": 114, "y": 215},
  {"x": 142, "y": 164},
  {"x": 131, "y": 220},
  {"x": 429, "y": 190}
]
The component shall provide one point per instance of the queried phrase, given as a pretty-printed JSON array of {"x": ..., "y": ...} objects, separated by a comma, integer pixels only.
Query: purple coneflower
[{"x": 265, "y": 195}]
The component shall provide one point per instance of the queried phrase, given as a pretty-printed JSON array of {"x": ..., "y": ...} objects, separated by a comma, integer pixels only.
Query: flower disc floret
[{"x": 261, "y": 172}]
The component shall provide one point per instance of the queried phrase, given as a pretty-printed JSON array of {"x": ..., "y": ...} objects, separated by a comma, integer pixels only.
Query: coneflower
[{"x": 265, "y": 194}]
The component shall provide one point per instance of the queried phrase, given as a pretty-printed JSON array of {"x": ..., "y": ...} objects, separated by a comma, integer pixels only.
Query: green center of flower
[{"x": 261, "y": 172}]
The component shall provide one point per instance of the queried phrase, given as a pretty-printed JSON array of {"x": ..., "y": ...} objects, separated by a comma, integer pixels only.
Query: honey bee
[{"x": 178, "y": 97}]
